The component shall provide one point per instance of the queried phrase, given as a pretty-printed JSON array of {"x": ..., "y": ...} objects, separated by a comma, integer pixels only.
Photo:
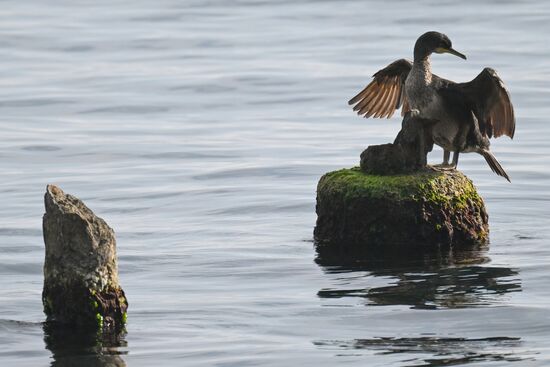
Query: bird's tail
[{"x": 493, "y": 163}]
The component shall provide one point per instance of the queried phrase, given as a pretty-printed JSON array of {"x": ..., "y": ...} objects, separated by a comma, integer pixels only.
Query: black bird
[{"x": 466, "y": 115}]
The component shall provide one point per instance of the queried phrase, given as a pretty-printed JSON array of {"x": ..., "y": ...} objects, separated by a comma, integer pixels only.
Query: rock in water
[
  {"x": 406, "y": 154},
  {"x": 80, "y": 271},
  {"x": 359, "y": 214}
]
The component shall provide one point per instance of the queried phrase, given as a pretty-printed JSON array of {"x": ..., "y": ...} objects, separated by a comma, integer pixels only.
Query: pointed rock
[{"x": 80, "y": 271}]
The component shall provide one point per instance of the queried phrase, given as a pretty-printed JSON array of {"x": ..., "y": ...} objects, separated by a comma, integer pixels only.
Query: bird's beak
[{"x": 441, "y": 50}]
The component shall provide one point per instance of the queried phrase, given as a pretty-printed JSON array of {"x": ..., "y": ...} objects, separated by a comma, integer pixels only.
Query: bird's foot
[{"x": 443, "y": 167}]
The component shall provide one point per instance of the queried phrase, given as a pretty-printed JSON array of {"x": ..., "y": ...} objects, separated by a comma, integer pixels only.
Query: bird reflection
[
  {"x": 445, "y": 279},
  {"x": 72, "y": 347}
]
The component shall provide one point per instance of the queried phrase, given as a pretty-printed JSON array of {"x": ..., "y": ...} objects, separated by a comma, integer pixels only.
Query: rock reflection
[
  {"x": 442, "y": 351},
  {"x": 72, "y": 347},
  {"x": 428, "y": 281}
]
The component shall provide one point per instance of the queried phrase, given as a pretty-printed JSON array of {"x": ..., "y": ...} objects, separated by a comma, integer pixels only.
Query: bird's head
[{"x": 436, "y": 42}]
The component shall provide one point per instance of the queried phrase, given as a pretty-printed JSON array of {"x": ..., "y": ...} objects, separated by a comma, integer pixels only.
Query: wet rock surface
[
  {"x": 361, "y": 214},
  {"x": 406, "y": 154},
  {"x": 81, "y": 284}
]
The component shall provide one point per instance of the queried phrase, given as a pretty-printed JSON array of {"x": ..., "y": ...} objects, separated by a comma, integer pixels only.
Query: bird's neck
[{"x": 423, "y": 67}]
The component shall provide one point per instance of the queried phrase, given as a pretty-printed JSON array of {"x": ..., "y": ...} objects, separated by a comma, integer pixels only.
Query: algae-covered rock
[
  {"x": 361, "y": 213},
  {"x": 80, "y": 271}
]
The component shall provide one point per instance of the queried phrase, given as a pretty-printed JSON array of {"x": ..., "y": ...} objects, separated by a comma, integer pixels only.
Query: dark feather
[{"x": 492, "y": 104}]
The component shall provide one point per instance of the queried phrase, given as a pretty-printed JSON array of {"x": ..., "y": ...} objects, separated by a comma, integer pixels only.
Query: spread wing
[
  {"x": 385, "y": 93},
  {"x": 492, "y": 104}
]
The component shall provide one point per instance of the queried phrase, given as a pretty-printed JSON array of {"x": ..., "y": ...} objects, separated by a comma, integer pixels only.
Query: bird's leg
[
  {"x": 455, "y": 159},
  {"x": 445, "y": 164},
  {"x": 446, "y": 156}
]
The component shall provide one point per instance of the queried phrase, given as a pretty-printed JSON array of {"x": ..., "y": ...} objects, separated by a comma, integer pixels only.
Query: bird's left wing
[
  {"x": 385, "y": 93},
  {"x": 492, "y": 104}
]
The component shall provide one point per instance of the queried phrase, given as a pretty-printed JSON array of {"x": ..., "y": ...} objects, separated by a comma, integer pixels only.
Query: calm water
[{"x": 199, "y": 129}]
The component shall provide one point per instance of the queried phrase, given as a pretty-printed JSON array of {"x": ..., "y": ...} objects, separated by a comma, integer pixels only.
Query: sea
[{"x": 198, "y": 129}]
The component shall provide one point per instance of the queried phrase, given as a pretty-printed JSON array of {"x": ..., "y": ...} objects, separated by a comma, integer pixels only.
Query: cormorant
[{"x": 466, "y": 115}]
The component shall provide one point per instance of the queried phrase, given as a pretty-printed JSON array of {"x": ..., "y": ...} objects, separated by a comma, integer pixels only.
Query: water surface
[{"x": 198, "y": 131}]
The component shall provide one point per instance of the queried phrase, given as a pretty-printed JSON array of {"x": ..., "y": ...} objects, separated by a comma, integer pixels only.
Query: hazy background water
[{"x": 199, "y": 129}]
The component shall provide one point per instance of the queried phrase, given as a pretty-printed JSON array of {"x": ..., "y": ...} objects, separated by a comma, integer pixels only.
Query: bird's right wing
[{"x": 386, "y": 93}]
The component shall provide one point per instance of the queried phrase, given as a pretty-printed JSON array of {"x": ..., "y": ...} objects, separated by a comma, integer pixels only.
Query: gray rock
[{"x": 80, "y": 271}]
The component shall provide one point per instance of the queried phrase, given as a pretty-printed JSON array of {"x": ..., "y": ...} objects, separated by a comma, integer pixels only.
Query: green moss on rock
[
  {"x": 99, "y": 319},
  {"x": 428, "y": 209}
]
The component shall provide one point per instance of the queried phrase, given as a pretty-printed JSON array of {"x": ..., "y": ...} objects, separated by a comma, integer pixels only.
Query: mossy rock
[
  {"x": 359, "y": 213},
  {"x": 81, "y": 286}
]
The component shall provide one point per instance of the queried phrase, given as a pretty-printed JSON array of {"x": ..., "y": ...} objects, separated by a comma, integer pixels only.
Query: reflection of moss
[{"x": 124, "y": 317}]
